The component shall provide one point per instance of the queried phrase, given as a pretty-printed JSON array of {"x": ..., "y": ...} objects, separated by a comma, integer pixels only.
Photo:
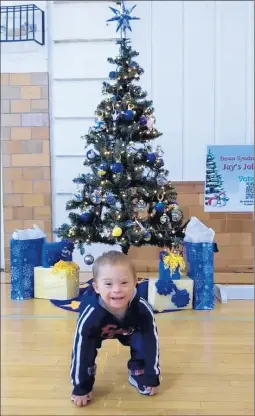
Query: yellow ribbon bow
[
  {"x": 69, "y": 267},
  {"x": 173, "y": 260}
]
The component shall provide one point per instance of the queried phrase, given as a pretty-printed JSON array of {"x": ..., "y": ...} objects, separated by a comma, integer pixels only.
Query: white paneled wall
[
  {"x": 198, "y": 86},
  {"x": 250, "y": 76},
  {"x": 231, "y": 34},
  {"x": 67, "y": 169},
  {"x": 198, "y": 62},
  {"x": 83, "y": 60},
  {"x": 67, "y": 134},
  {"x": 85, "y": 20},
  {"x": 167, "y": 80},
  {"x": 76, "y": 98}
]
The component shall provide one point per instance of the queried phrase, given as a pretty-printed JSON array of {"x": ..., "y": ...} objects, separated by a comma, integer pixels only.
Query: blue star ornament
[{"x": 123, "y": 18}]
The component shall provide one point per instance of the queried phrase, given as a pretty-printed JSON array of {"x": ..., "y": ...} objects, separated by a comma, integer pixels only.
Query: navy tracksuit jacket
[{"x": 95, "y": 324}]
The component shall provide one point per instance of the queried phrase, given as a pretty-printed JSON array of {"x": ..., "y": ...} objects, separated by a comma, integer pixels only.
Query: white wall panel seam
[
  {"x": 85, "y": 40},
  {"x": 151, "y": 46},
  {"x": 214, "y": 72},
  {"x": 51, "y": 116},
  {"x": 69, "y": 156},
  {"x": 183, "y": 91},
  {"x": 246, "y": 77},
  {"x": 250, "y": 76},
  {"x": 74, "y": 118},
  {"x": 80, "y": 79}
]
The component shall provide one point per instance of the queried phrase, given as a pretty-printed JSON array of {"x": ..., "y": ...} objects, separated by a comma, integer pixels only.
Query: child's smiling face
[{"x": 115, "y": 284}]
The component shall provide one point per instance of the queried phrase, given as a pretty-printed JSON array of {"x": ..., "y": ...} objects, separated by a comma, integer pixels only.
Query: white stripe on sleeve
[
  {"x": 78, "y": 341},
  {"x": 156, "y": 364}
]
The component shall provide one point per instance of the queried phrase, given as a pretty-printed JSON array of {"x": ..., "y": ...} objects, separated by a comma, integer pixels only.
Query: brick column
[{"x": 25, "y": 154}]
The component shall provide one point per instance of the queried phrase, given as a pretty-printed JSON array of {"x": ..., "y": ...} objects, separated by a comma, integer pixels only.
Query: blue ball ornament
[
  {"x": 112, "y": 75},
  {"x": 85, "y": 217},
  {"x": 160, "y": 206},
  {"x": 103, "y": 166},
  {"x": 128, "y": 115},
  {"x": 143, "y": 121},
  {"x": 91, "y": 155},
  {"x": 129, "y": 223},
  {"x": 147, "y": 236},
  {"x": 117, "y": 167},
  {"x": 110, "y": 199},
  {"x": 151, "y": 157}
]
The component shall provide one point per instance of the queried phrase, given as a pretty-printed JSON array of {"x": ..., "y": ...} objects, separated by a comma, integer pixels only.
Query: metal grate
[{"x": 22, "y": 23}]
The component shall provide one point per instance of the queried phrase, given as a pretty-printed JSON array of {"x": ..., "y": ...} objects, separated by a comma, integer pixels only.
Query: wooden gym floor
[{"x": 206, "y": 363}]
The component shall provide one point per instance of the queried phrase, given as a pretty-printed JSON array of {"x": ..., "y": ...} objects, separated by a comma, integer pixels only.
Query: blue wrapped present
[
  {"x": 170, "y": 265},
  {"x": 24, "y": 256},
  {"x": 54, "y": 252},
  {"x": 200, "y": 268}
]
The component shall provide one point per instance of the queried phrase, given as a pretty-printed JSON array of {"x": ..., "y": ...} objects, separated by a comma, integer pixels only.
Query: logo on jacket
[{"x": 110, "y": 331}]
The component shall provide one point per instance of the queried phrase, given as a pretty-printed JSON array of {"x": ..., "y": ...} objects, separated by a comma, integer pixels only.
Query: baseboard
[{"x": 233, "y": 292}]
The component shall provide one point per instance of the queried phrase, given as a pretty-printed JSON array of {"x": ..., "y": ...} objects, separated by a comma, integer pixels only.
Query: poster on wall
[{"x": 229, "y": 183}]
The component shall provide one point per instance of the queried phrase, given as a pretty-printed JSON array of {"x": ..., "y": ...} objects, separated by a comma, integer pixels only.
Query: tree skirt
[{"x": 73, "y": 305}]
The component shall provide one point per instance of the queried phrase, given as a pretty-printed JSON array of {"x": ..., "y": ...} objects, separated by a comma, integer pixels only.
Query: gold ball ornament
[
  {"x": 101, "y": 172},
  {"x": 71, "y": 232},
  {"x": 116, "y": 232}
]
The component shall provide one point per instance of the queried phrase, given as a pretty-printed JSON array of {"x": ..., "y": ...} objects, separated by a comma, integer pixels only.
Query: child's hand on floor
[
  {"x": 152, "y": 390},
  {"x": 82, "y": 400}
]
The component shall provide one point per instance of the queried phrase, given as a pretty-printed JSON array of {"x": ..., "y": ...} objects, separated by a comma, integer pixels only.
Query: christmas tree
[
  {"x": 214, "y": 190},
  {"x": 126, "y": 197}
]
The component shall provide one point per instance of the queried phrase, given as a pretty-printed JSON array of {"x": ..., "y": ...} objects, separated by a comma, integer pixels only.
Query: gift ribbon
[
  {"x": 173, "y": 260},
  {"x": 69, "y": 267}
]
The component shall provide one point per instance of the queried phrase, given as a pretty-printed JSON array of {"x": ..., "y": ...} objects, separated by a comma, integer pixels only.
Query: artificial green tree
[{"x": 125, "y": 196}]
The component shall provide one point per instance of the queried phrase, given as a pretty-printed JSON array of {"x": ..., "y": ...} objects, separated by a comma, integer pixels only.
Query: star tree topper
[{"x": 123, "y": 18}]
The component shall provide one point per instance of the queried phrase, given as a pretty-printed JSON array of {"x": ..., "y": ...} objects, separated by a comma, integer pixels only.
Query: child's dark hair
[{"x": 112, "y": 257}]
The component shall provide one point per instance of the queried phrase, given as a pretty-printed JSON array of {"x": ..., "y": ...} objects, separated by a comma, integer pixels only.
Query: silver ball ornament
[
  {"x": 164, "y": 219},
  {"x": 161, "y": 180},
  {"x": 176, "y": 215},
  {"x": 141, "y": 205},
  {"x": 89, "y": 259}
]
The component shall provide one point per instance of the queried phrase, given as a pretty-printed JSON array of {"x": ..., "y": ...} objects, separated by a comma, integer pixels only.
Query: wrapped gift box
[
  {"x": 60, "y": 282},
  {"x": 181, "y": 296},
  {"x": 54, "y": 252},
  {"x": 200, "y": 260},
  {"x": 24, "y": 256}
]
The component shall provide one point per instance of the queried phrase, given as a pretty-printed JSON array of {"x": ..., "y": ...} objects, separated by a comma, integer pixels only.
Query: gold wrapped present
[
  {"x": 181, "y": 296},
  {"x": 60, "y": 282}
]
